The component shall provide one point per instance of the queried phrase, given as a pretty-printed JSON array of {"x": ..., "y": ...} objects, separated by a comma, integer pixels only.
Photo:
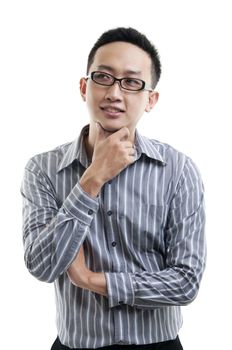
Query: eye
[
  {"x": 132, "y": 83},
  {"x": 102, "y": 77}
]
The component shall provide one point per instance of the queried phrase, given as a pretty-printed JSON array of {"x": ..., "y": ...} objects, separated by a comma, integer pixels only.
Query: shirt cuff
[
  {"x": 120, "y": 288},
  {"x": 81, "y": 205}
]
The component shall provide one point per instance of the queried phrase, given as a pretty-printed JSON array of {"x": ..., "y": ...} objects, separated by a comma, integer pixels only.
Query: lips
[{"x": 112, "y": 109}]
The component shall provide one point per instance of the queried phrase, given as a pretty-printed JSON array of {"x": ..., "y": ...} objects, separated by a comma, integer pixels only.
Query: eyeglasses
[{"x": 131, "y": 84}]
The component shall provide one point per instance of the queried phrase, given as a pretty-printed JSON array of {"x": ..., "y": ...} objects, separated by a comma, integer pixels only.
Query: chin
[{"x": 111, "y": 128}]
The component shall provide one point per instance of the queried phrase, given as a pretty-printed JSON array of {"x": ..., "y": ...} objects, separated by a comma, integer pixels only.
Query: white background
[{"x": 44, "y": 47}]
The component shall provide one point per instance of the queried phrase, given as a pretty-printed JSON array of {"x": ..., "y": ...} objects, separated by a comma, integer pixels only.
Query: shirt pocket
[{"x": 143, "y": 233}]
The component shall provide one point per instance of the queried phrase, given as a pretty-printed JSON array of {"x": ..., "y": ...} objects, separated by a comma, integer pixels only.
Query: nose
[{"x": 114, "y": 92}]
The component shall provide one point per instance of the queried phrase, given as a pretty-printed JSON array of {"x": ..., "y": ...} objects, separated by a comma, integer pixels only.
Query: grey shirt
[{"x": 145, "y": 231}]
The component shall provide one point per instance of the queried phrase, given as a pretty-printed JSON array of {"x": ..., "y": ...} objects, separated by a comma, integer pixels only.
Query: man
[{"x": 114, "y": 219}]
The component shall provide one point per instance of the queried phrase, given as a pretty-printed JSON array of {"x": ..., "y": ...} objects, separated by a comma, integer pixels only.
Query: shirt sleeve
[
  {"x": 52, "y": 233},
  {"x": 178, "y": 283}
]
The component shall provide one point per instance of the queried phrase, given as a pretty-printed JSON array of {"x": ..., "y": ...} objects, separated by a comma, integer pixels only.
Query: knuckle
[{"x": 126, "y": 129}]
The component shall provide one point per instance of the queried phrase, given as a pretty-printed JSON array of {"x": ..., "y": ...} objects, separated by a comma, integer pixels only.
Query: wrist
[
  {"x": 91, "y": 183},
  {"x": 93, "y": 281},
  {"x": 97, "y": 283}
]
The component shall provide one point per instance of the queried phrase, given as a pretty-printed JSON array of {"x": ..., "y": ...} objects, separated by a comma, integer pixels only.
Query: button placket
[
  {"x": 110, "y": 224},
  {"x": 113, "y": 240}
]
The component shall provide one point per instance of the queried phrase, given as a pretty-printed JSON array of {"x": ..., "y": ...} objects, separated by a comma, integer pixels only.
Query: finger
[
  {"x": 132, "y": 152},
  {"x": 128, "y": 144},
  {"x": 122, "y": 134}
]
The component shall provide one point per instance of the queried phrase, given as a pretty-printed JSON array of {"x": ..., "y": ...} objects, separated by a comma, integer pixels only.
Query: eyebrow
[{"x": 112, "y": 70}]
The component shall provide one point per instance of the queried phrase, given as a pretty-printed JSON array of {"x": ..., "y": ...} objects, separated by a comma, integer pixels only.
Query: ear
[
  {"x": 152, "y": 100},
  {"x": 83, "y": 84}
]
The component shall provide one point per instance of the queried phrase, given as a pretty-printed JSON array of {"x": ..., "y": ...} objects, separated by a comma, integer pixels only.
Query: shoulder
[
  {"x": 47, "y": 160},
  {"x": 177, "y": 163},
  {"x": 169, "y": 154}
]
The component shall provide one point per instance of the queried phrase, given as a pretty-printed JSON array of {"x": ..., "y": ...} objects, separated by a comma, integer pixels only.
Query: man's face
[{"x": 112, "y": 106}]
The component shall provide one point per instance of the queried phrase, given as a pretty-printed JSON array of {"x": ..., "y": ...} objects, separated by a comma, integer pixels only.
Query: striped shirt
[{"x": 145, "y": 231}]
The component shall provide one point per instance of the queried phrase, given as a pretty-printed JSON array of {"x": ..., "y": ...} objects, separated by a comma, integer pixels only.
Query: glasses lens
[
  {"x": 102, "y": 78},
  {"x": 132, "y": 84}
]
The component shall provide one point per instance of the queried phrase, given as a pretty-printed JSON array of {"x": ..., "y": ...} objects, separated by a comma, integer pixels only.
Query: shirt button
[
  {"x": 109, "y": 212},
  {"x": 114, "y": 244},
  {"x": 110, "y": 182},
  {"x": 90, "y": 212}
]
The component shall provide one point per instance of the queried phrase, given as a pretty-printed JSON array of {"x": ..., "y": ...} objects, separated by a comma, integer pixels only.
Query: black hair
[{"x": 132, "y": 36}]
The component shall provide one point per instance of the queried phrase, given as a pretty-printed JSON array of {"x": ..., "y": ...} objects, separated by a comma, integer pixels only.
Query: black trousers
[{"x": 166, "y": 345}]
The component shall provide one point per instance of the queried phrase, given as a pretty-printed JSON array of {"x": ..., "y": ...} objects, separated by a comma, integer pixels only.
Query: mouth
[{"x": 112, "y": 111}]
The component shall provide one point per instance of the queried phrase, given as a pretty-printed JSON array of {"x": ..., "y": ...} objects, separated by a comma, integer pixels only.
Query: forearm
[
  {"x": 142, "y": 290},
  {"x": 149, "y": 290},
  {"x": 82, "y": 277},
  {"x": 145, "y": 291},
  {"x": 96, "y": 283}
]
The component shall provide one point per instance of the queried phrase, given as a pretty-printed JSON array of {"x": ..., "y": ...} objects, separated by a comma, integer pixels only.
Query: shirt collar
[
  {"x": 76, "y": 150},
  {"x": 148, "y": 147}
]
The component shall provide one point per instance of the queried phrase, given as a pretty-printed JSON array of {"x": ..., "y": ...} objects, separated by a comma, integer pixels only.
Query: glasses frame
[{"x": 144, "y": 85}]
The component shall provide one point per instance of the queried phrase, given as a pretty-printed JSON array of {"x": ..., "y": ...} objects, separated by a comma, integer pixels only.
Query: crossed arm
[{"x": 84, "y": 278}]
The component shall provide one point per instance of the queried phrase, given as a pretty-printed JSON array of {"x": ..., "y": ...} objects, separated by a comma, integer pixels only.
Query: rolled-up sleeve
[{"x": 52, "y": 232}]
